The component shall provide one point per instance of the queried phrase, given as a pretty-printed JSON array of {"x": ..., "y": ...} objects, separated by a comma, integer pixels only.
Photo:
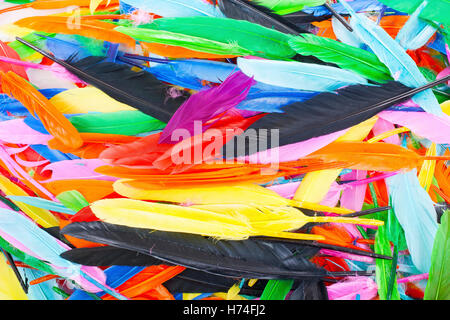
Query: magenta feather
[
  {"x": 207, "y": 104},
  {"x": 364, "y": 287}
]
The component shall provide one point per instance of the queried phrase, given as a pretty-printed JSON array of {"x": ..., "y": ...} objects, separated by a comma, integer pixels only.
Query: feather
[
  {"x": 42, "y": 203},
  {"x": 72, "y": 200},
  {"x": 252, "y": 38},
  {"x": 402, "y": 67},
  {"x": 88, "y": 28},
  {"x": 309, "y": 290},
  {"x": 85, "y": 100},
  {"x": 415, "y": 212},
  {"x": 426, "y": 172},
  {"x": 357, "y": 5},
  {"x": 435, "y": 10},
  {"x": 277, "y": 289},
  {"x": 16, "y": 131},
  {"x": 288, "y": 6},
  {"x": 39, "y": 106},
  {"x": 219, "y": 221},
  {"x": 421, "y": 123},
  {"x": 252, "y": 12},
  {"x": 56, "y": 4},
  {"x": 140, "y": 89},
  {"x": 245, "y": 194},
  {"x": 113, "y": 123},
  {"x": 176, "y": 8},
  {"x": 364, "y": 287},
  {"x": 10, "y": 288},
  {"x": 415, "y": 33},
  {"x": 207, "y": 104},
  {"x": 437, "y": 286},
  {"x": 74, "y": 169},
  {"x": 8, "y": 52},
  {"x": 41, "y": 216},
  {"x": 344, "y": 35},
  {"x": 302, "y": 121},
  {"x": 364, "y": 63},
  {"x": 298, "y": 75},
  {"x": 41, "y": 245},
  {"x": 248, "y": 259}
]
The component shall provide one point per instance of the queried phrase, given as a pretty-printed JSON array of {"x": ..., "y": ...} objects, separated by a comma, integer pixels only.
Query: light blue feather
[
  {"x": 174, "y": 8},
  {"x": 400, "y": 64},
  {"x": 346, "y": 36},
  {"x": 43, "y": 290},
  {"x": 298, "y": 75},
  {"x": 415, "y": 211},
  {"x": 43, "y": 204},
  {"x": 416, "y": 32},
  {"x": 357, "y": 5}
]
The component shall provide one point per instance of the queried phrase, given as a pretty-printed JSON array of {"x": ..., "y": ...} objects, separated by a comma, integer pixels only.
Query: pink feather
[
  {"x": 382, "y": 126},
  {"x": 18, "y": 132},
  {"x": 365, "y": 287}
]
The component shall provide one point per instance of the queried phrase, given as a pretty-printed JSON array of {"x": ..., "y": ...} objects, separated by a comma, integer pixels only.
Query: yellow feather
[
  {"x": 43, "y": 217},
  {"x": 427, "y": 171},
  {"x": 315, "y": 185},
  {"x": 88, "y": 99},
  {"x": 248, "y": 193},
  {"x": 10, "y": 288},
  {"x": 446, "y": 107}
]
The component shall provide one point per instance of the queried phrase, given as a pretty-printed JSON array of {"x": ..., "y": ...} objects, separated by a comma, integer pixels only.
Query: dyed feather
[
  {"x": 39, "y": 106},
  {"x": 416, "y": 32},
  {"x": 176, "y": 8},
  {"x": 88, "y": 28},
  {"x": 255, "y": 39},
  {"x": 16, "y": 131},
  {"x": 415, "y": 212},
  {"x": 42, "y": 203},
  {"x": 437, "y": 286},
  {"x": 402, "y": 67},
  {"x": 237, "y": 258},
  {"x": 298, "y": 75},
  {"x": 252, "y": 12},
  {"x": 113, "y": 123},
  {"x": 207, "y": 104},
  {"x": 364, "y": 63},
  {"x": 288, "y": 6},
  {"x": 364, "y": 287},
  {"x": 8, "y": 52},
  {"x": 10, "y": 288}
]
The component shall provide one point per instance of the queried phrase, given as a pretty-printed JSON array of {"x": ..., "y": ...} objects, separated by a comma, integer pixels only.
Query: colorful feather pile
[{"x": 224, "y": 150}]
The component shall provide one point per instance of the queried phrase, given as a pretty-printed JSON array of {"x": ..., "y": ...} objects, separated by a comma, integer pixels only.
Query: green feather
[
  {"x": 438, "y": 286},
  {"x": 127, "y": 123},
  {"x": 347, "y": 57},
  {"x": 25, "y": 258},
  {"x": 73, "y": 200},
  {"x": 383, "y": 267},
  {"x": 288, "y": 6},
  {"x": 277, "y": 289},
  {"x": 241, "y": 35},
  {"x": 436, "y": 10}
]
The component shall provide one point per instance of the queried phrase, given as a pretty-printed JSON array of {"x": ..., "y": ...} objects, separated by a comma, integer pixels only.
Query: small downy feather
[{"x": 55, "y": 123}]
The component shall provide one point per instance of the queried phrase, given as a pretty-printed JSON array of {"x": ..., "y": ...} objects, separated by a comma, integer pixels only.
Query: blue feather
[
  {"x": 357, "y": 5},
  {"x": 43, "y": 290},
  {"x": 298, "y": 75},
  {"x": 172, "y": 8},
  {"x": 400, "y": 64},
  {"x": 417, "y": 216},
  {"x": 416, "y": 32},
  {"x": 43, "y": 204},
  {"x": 115, "y": 277},
  {"x": 52, "y": 155},
  {"x": 74, "y": 46},
  {"x": 16, "y": 108}
]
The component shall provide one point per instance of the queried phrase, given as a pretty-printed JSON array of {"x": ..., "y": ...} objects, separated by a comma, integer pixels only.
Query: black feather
[
  {"x": 246, "y": 10},
  {"x": 109, "y": 256},
  {"x": 310, "y": 290},
  {"x": 301, "y": 17},
  {"x": 140, "y": 89},
  {"x": 323, "y": 114},
  {"x": 238, "y": 259}
]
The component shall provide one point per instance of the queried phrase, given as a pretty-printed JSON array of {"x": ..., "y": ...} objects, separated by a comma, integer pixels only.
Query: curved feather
[
  {"x": 38, "y": 105},
  {"x": 347, "y": 57},
  {"x": 389, "y": 52},
  {"x": 8, "y": 52}
]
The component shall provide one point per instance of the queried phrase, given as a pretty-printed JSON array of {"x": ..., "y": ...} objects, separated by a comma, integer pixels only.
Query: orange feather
[
  {"x": 57, "y": 4},
  {"x": 52, "y": 119},
  {"x": 84, "y": 27}
]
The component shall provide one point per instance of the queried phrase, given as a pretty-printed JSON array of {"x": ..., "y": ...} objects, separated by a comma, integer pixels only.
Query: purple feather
[{"x": 207, "y": 104}]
